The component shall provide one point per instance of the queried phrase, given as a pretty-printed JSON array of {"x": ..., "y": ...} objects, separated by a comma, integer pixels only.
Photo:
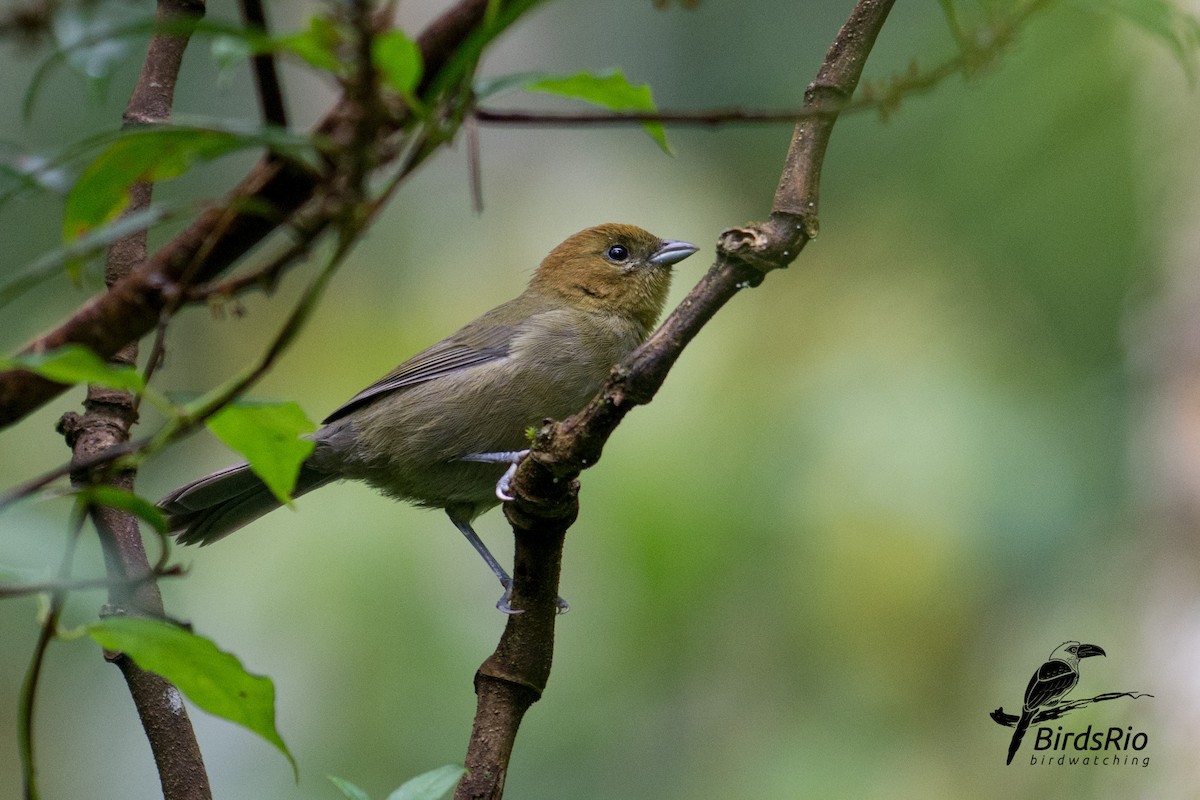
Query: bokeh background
[{"x": 872, "y": 497}]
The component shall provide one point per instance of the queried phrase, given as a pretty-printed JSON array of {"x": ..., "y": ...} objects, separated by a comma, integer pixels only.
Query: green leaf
[
  {"x": 268, "y": 436},
  {"x": 157, "y": 154},
  {"x": 461, "y": 64},
  {"x": 609, "y": 90},
  {"x": 113, "y": 497},
  {"x": 348, "y": 789},
  {"x": 211, "y": 678},
  {"x": 102, "y": 191},
  {"x": 318, "y": 45},
  {"x": 432, "y": 785},
  {"x": 75, "y": 363},
  {"x": 398, "y": 60},
  {"x": 495, "y": 84}
]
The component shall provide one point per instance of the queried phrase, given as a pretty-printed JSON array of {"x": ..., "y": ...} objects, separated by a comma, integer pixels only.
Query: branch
[
  {"x": 976, "y": 50},
  {"x": 133, "y": 307},
  {"x": 266, "y": 77},
  {"x": 711, "y": 117},
  {"x": 545, "y": 484},
  {"x": 105, "y": 427}
]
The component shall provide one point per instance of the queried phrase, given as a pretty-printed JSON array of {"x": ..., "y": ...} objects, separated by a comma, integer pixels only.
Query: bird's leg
[
  {"x": 464, "y": 527},
  {"x": 463, "y": 523},
  {"x": 510, "y": 457}
]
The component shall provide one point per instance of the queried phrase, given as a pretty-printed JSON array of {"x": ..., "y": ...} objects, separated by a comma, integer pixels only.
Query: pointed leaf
[
  {"x": 73, "y": 364},
  {"x": 211, "y": 678},
  {"x": 140, "y": 507},
  {"x": 348, "y": 789},
  {"x": 432, "y": 785},
  {"x": 610, "y": 90},
  {"x": 102, "y": 191},
  {"x": 268, "y": 435}
]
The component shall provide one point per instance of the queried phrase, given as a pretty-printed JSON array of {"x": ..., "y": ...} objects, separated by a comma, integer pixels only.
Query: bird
[
  {"x": 446, "y": 428},
  {"x": 1052, "y": 680}
]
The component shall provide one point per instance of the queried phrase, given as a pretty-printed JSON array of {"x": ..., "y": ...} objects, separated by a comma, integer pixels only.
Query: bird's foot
[
  {"x": 504, "y": 485},
  {"x": 504, "y": 604}
]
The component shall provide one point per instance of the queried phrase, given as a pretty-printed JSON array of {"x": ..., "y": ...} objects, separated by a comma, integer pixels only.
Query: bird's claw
[
  {"x": 504, "y": 604},
  {"x": 504, "y": 485},
  {"x": 512, "y": 458}
]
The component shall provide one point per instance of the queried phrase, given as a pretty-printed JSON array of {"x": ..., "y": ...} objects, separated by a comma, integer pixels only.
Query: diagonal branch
[{"x": 545, "y": 485}]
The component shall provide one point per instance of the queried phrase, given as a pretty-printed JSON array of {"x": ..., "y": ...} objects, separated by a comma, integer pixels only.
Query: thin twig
[
  {"x": 883, "y": 97},
  {"x": 706, "y": 117},
  {"x": 33, "y": 674},
  {"x": 85, "y": 584},
  {"x": 474, "y": 161}
]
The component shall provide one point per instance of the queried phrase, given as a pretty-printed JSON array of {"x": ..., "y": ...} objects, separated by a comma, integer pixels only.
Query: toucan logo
[{"x": 1043, "y": 702}]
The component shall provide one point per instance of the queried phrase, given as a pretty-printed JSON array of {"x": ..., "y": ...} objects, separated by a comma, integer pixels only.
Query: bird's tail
[
  {"x": 1019, "y": 734},
  {"x": 216, "y": 505}
]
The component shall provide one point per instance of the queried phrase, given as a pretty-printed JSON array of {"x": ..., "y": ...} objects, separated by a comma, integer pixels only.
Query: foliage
[{"x": 937, "y": 427}]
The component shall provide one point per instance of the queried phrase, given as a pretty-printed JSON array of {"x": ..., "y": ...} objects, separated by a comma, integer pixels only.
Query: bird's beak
[
  {"x": 1086, "y": 650},
  {"x": 672, "y": 252}
]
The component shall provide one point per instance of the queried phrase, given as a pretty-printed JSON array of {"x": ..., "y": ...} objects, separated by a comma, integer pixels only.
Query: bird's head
[
  {"x": 1071, "y": 652},
  {"x": 613, "y": 268}
]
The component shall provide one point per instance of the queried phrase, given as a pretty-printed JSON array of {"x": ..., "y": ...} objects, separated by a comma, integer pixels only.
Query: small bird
[
  {"x": 1053, "y": 679},
  {"x": 440, "y": 429}
]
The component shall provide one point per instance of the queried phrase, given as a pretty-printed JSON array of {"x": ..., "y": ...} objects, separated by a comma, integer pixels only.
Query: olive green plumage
[{"x": 543, "y": 354}]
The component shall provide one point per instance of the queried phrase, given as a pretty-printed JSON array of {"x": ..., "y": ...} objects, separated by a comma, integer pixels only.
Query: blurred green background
[{"x": 872, "y": 497}]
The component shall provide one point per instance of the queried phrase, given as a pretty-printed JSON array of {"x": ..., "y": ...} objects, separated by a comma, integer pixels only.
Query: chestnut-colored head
[{"x": 613, "y": 268}]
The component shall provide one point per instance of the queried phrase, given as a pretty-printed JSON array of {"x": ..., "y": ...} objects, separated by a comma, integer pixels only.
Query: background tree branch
[
  {"x": 219, "y": 237},
  {"x": 545, "y": 485}
]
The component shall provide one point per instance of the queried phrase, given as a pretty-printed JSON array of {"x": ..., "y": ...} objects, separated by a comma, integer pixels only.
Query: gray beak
[{"x": 672, "y": 252}]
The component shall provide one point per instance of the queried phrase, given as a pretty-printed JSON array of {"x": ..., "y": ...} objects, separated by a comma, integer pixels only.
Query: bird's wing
[
  {"x": 479, "y": 343},
  {"x": 1052, "y": 680}
]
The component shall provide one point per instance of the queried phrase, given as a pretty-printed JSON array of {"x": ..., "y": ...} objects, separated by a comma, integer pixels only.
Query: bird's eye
[{"x": 618, "y": 252}]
